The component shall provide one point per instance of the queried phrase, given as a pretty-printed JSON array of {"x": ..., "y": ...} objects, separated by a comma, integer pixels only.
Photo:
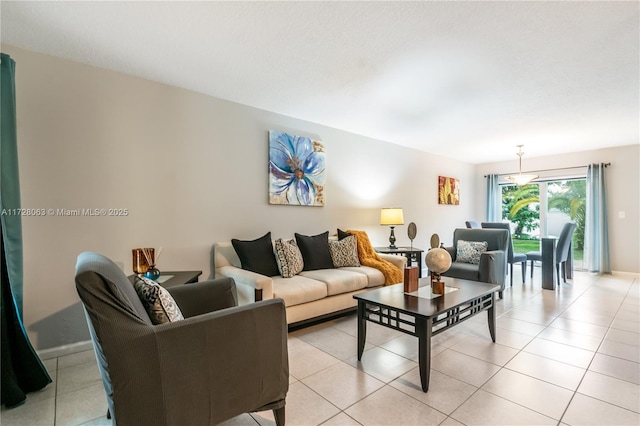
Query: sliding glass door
[
  {"x": 566, "y": 201},
  {"x": 541, "y": 209}
]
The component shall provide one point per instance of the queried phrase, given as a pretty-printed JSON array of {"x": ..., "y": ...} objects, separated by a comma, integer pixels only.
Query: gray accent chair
[
  {"x": 472, "y": 224},
  {"x": 512, "y": 257},
  {"x": 493, "y": 263},
  {"x": 563, "y": 250},
  {"x": 219, "y": 362}
]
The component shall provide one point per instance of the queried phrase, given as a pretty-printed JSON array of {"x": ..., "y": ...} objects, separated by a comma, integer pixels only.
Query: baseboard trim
[
  {"x": 625, "y": 274},
  {"x": 65, "y": 350},
  {"x": 322, "y": 318}
]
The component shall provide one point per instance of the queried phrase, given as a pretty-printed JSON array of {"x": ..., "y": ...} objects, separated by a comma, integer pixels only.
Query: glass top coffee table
[{"x": 424, "y": 314}]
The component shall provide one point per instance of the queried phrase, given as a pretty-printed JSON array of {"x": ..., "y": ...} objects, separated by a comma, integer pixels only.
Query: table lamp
[{"x": 391, "y": 217}]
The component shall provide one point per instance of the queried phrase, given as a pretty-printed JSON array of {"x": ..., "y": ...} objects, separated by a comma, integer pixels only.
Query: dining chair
[
  {"x": 512, "y": 256},
  {"x": 563, "y": 249}
]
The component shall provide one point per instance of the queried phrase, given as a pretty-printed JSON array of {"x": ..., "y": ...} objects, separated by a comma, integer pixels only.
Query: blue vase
[{"x": 152, "y": 273}]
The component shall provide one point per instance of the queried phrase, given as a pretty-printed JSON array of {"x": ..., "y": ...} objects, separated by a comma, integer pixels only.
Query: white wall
[
  {"x": 623, "y": 188},
  {"x": 191, "y": 170}
]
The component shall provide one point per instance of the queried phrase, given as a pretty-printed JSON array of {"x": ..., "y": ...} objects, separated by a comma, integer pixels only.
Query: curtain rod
[{"x": 549, "y": 170}]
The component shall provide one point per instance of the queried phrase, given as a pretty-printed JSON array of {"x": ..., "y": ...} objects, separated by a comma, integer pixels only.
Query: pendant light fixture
[{"x": 521, "y": 179}]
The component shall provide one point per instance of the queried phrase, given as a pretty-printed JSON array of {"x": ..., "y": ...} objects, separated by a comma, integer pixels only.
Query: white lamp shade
[
  {"x": 391, "y": 216},
  {"x": 521, "y": 180}
]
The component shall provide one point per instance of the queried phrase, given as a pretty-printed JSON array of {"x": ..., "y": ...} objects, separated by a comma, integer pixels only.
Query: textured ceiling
[{"x": 469, "y": 80}]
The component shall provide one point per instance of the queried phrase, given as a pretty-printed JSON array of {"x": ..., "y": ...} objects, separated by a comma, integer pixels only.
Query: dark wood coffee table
[{"x": 423, "y": 314}]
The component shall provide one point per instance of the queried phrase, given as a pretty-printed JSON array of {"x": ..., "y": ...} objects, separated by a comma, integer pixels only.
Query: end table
[
  {"x": 412, "y": 254},
  {"x": 174, "y": 278}
]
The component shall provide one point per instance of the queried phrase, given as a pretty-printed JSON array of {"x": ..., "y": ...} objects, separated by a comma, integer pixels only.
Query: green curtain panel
[
  {"x": 9, "y": 183},
  {"x": 22, "y": 371}
]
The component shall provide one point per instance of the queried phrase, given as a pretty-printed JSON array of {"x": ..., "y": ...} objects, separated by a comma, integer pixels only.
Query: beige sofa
[{"x": 308, "y": 295}]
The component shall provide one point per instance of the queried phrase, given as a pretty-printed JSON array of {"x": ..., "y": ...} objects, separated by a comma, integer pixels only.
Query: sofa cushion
[
  {"x": 315, "y": 251},
  {"x": 338, "y": 281},
  {"x": 465, "y": 271},
  {"x": 157, "y": 301},
  {"x": 375, "y": 277},
  {"x": 470, "y": 251},
  {"x": 298, "y": 289},
  {"x": 288, "y": 257},
  {"x": 344, "y": 252},
  {"x": 257, "y": 255}
]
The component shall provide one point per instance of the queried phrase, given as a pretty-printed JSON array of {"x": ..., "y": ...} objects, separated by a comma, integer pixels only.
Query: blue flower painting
[{"x": 296, "y": 170}]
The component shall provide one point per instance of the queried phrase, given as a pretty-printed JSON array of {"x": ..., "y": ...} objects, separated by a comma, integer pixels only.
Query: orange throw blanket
[{"x": 369, "y": 257}]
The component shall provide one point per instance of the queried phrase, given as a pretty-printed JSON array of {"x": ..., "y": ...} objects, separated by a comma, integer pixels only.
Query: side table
[
  {"x": 412, "y": 254},
  {"x": 174, "y": 278}
]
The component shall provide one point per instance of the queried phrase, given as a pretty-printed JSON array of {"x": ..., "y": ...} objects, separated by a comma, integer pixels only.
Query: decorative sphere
[{"x": 438, "y": 260}]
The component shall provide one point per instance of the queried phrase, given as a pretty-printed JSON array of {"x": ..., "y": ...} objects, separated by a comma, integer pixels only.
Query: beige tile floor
[{"x": 565, "y": 357}]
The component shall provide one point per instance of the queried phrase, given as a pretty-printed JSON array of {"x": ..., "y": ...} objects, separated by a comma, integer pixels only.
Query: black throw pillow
[
  {"x": 257, "y": 255},
  {"x": 343, "y": 234},
  {"x": 315, "y": 251}
]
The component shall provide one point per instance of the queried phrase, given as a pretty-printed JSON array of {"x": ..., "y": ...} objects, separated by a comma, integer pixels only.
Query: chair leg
[
  {"x": 558, "y": 273},
  {"x": 531, "y": 271},
  {"x": 278, "y": 414},
  {"x": 524, "y": 270},
  {"x": 511, "y": 275}
]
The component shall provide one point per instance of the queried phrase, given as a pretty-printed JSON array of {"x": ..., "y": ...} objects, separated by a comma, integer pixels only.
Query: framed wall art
[
  {"x": 296, "y": 170},
  {"x": 448, "y": 190}
]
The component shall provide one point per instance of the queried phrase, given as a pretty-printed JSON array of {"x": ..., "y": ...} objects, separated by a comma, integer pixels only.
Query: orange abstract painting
[{"x": 448, "y": 190}]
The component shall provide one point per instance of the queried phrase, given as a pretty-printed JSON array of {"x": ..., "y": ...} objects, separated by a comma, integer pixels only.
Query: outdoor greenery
[
  {"x": 515, "y": 208},
  {"x": 570, "y": 197},
  {"x": 521, "y": 206},
  {"x": 524, "y": 246}
]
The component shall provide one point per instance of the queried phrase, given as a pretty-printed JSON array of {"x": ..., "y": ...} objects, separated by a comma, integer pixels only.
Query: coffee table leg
[
  {"x": 362, "y": 328},
  {"x": 491, "y": 317},
  {"x": 423, "y": 329}
]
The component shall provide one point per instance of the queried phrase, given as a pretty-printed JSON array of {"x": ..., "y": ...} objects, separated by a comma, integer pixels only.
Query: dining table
[{"x": 548, "y": 249}]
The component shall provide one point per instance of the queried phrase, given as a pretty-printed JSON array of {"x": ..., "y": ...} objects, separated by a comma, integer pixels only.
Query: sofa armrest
[
  {"x": 493, "y": 267},
  {"x": 452, "y": 252},
  {"x": 398, "y": 261},
  {"x": 260, "y": 285},
  {"x": 206, "y": 296}
]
